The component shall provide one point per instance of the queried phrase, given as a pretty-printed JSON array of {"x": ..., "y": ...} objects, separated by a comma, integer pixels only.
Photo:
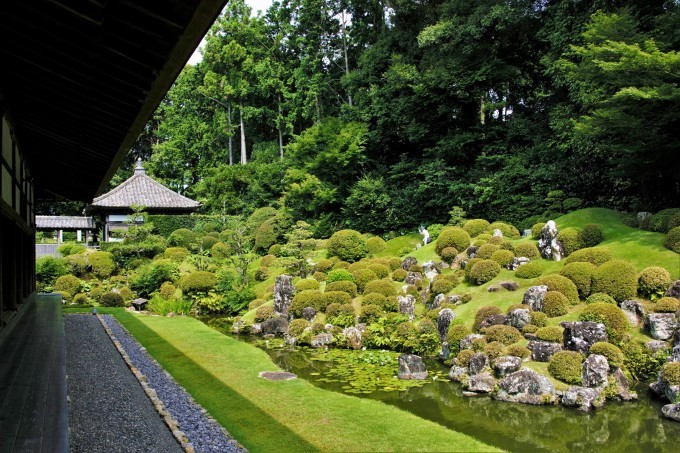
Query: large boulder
[
  {"x": 583, "y": 397},
  {"x": 478, "y": 363},
  {"x": 526, "y": 386},
  {"x": 408, "y": 262},
  {"x": 661, "y": 326},
  {"x": 353, "y": 337},
  {"x": 581, "y": 335},
  {"x": 664, "y": 389},
  {"x": 411, "y": 367},
  {"x": 413, "y": 278},
  {"x": 407, "y": 306},
  {"x": 482, "y": 383},
  {"x": 275, "y": 326},
  {"x": 534, "y": 296},
  {"x": 492, "y": 320},
  {"x": 437, "y": 301},
  {"x": 322, "y": 340},
  {"x": 466, "y": 342},
  {"x": 674, "y": 290},
  {"x": 507, "y": 364},
  {"x": 509, "y": 285},
  {"x": 517, "y": 262},
  {"x": 283, "y": 294},
  {"x": 444, "y": 319},
  {"x": 308, "y": 313},
  {"x": 621, "y": 385},
  {"x": 518, "y": 318},
  {"x": 548, "y": 245},
  {"x": 595, "y": 371},
  {"x": 458, "y": 373},
  {"x": 671, "y": 411},
  {"x": 634, "y": 311},
  {"x": 542, "y": 351}
]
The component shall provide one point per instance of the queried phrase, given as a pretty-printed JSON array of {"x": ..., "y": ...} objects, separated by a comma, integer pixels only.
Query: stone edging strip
[{"x": 172, "y": 424}]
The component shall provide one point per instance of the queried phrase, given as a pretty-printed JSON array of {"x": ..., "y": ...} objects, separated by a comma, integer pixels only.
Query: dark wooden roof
[
  {"x": 80, "y": 78},
  {"x": 62, "y": 222}
]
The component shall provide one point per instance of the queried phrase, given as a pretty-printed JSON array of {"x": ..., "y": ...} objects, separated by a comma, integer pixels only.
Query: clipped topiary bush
[
  {"x": 306, "y": 283},
  {"x": 592, "y": 234},
  {"x": 198, "y": 282},
  {"x": 398, "y": 275},
  {"x": 308, "y": 298},
  {"x": 503, "y": 334},
  {"x": 376, "y": 299},
  {"x": 509, "y": 231},
  {"x": 167, "y": 291},
  {"x": 661, "y": 220},
  {"x": 529, "y": 270},
  {"x": 363, "y": 277},
  {"x": 68, "y": 283},
  {"x": 503, "y": 257},
  {"x": 617, "y": 278},
  {"x": 384, "y": 287},
  {"x": 570, "y": 238},
  {"x": 653, "y": 282},
  {"x": 264, "y": 313},
  {"x": 256, "y": 303},
  {"x": 613, "y": 354},
  {"x": 176, "y": 254},
  {"x": 208, "y": 241},
  {"x": 536, "y": 230},
  {"x": 581, "y": 273},
  {"x": 484, "y": 271},
  {"x": 555, "y": 304},
  {"x": 494, "y": 350},
  {"x": 530, "y": 328},
  {"x": 370, "y": 313},
  {"x": 297, "y": 327},
  {"x": 469, "y": 264},
  {"x": 380, "y": 270},
  {"x": 456, "y": 333},
  {"x": 611, "y": 316},
  {"x": 324, "y": 265},
  {"x": 348, "y": 245},
  {"x": 182, "y": 237},
  {"x": 670, "y": 373},
  {"x": 339, "y": 275},
  {"x": 220, "y": 250},
  {"x": 452, "y": 237},
  {"x": 442, "y": 286},
  {"x": 485, "y": 251},
  {"x": 561, "y": 284},
  {"x": 463, "y": 357},
  {"x": 341, "y": 315},
  {"x": 102, "y": 263},
  {"x": 448, "y": 254},
  {"x": 527, "y": 250},
  {"x": 81, "y": 299},
  {"x": 343, "y": 285},
  {"x": 358, "y": 265},
  {"x": 595, "y": 255},
  {"x": 333, "y": 297},
  {"x": 475, "y": 227},
  {"x": 376, "y": 244},
  {"x": 566, "y": 366},
  {"x": 667, "y": 305},
  {"x": 550, "y": 333},
  {"x": 539, "y": 319},
  {"x": 672, "y": 240},
  {"x": 111, "y": 299},
  {"x": 483, "y": 313},
  {"x": 518, "y": 350},
  {"x": 600, "y": 298}
]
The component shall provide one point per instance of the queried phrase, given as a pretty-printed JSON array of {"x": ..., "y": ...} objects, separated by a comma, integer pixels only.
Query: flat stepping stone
[{"x": 277, "y": 375}]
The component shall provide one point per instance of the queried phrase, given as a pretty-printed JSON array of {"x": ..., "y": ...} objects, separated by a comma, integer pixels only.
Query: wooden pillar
[
  {"x": 60, "y": 236},
  {"x": 79, "y": 236}
]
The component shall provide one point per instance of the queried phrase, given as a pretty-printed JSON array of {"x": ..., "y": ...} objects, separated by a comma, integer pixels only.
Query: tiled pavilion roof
[{"x": 63, "y": 222}]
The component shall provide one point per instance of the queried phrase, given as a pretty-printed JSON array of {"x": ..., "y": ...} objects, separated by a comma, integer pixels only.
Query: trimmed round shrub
[
  {"x": 448, "y": 254},
  {"x": 81, "y": 299},
  {"x": 343, "y": 285},
  {"x": 267, "y": 234},
  {"x": 503, "y": 257},
  {"x": 674, "y": 222},
  {"x": 611, "y": 316},
  {"x": 478, "y": 344},
  {"x": 363, "y": 277},
  {"x": 167, "y": 291},
  {"x": 341, "y": 315},
  {"x": 527, "y": 250},
  {"x": 592, "y": 234},
  {"x": 536, "y": 230},
  {"x": 442, "y": 286},
  {"x": 667, "y": 305},
  {"x": 65, "y": 295},
  {"x": 570, "y": 238},
  {"x": 377, "y": 299},
  {"x": 275, "y": 249},
  {"x": 483, "y": 313},
  {"x": 529, "y": 270},
  {"x": 509, "y": 231},
  {"x": 69, "y": 248},
  {"x": 151, "y": 276},
  {"x": 416, "y": 268},
  {"x": 268, "y": 260},
  {"x": 485, "y": 251},
  {"x": 613, "y": 354},
  {"x": 670, "y": 373},
  {"x": 494, "y": 350},
  {"x": 111, "y": 299},
  {"x": 566, "y": 366},
  {"x": 337, "y": 275},
  {"x": 199, "y": 281},
  {"x": 559, "y": 283},
  {"x": 126, "y": 293},
  {"x": 319, "y": 276},
  {"x": 600, "y": 298},
  {"x": 530, "y": 328},
  {"x": 617, "y": 278},
  {"x": 68, "y": 283},
  {"x": 581, "y": 273},
  {"x": 358, "y": 265},
  {"x": 384, "y": 287},
  {"x": 370, "y": 313},
  {"x": 475, "y": 227},
  {"x": 297, "y": 327},
  {"x": 484, "y": 271},
  {"x": 555, "y": 304},
  {"x": 176, "y": 254},
  {"x": 102, "y": 263},
  {"x": 220, "y": 250},
  {"x": 469, "y": 264},
  {"x": 550, "y": 333},
  {"x": 376, "y": 244},
  {"x": 661, "y": 220},
  {"x": 264, "y": 313},
  {"x": 333, "y": 297},
  {"x": 518, "y": 350},
  {"x": 324, "y": 265},
  {"x": 596, "y": 255},
  {"x": 182, "y": 237},
  {"x": 348, "y": 245},
  {"x": 653, "y": 282},
  {"x": 308, "y": 298},
  {"x": 456, "y": 333},
  {"x": 452, "y": 237},
  {"x": 398, "y": 275},
  {"x": 306, "y": 283},
  {"x": 380, "y": 270},
  {"x": 395, "y": 263},
  {"x": 672, "y": 240},
  {"x": 208, "y": 241},
  {"x": 464, "y": 356},
  {"x": 256, "y": 303},
  {"x": 539, "y": 319},
  {"x": 503, "y": 334}
]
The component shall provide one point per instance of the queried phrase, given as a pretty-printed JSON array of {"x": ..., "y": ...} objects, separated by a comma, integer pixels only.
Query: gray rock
[
  {"x": 622, "y": 386},
  {"x": 674, "y": 290},
  {"x": 458, "y": 373},
  {"x": 493, "y": 320},
  {"x": 526, "y": 233},
  {"x": 482, "y": 383},
  {"x": 671, "y": 411},
  {"x": 518, "y": 318},
  {"x": 584, "y": 398},
  {"x": 471, "y": 253},
  {"x": 444, "y": 319},
  {"x": 497, "y": 233},
  {"x": 424, "y": 295},
  {"x": 408, "y": 262},
  {"x": 411, "y": 367},
  {"x": 445, "y": 352},
  {"x": 661, "y": 325},
  {"x": 407, "y": 306},
  {"x": 275, "y": 326},
  {"x": 237, "y": 327},
  {"x": 308, "y": 313},
  {"x": 321, "y": 340},
  {"x": 493, "y": 288},
  {"x": 478, "y": 362},
  {"x": 517, "y": 262},
  {"x": 534, "y": 296},
  {"x": 509, "y": 285},
  {"x": 283, "y": 294},
  {"x": 353, "y": 337},
  {"x": 526, "y": 386},
  {"x": 437, "y": 301},
  {"x": 413, "y": 278},
  {"x": 541, "y": 351},
  {"x": 507, "y": 364},
  {"x": 548, "y": 245},
  {"x": 580, "y": 335},
  {"x": 663, "y": 388},
  {"x": 595, "y": 371},
  {"x": 454, "y": 299},
  {"x": 657, "y": 345},
  {"x": 634, "y": 311},
  {"x": 256, "y": 328},
  {"x": 431, "y": 266},
  {"x": 466, "y": 342}
]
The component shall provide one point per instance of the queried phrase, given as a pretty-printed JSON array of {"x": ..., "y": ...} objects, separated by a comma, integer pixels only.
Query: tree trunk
[
  {"x": 278, "y": 126},
  {"x": 344, "y": 49},
  {"x": 244, "y": 159},
  {"x": 231, "y": 136}
]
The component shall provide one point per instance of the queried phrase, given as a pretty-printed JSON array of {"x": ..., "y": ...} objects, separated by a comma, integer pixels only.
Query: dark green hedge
[{"x": 166, "y": 224}]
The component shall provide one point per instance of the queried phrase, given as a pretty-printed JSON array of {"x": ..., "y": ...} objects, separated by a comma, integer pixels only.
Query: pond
[{"x": 630, "y": 427}]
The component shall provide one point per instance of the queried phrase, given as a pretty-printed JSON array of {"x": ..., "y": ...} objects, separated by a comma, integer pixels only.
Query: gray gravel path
[{"x": 108, "y": 409}]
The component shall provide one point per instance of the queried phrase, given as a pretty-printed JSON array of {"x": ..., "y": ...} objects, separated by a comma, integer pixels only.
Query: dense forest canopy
[{"x": 382, "y": 115}]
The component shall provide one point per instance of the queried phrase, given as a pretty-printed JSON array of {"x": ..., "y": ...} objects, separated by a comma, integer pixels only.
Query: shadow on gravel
[{"x": 251, "y": 426}]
